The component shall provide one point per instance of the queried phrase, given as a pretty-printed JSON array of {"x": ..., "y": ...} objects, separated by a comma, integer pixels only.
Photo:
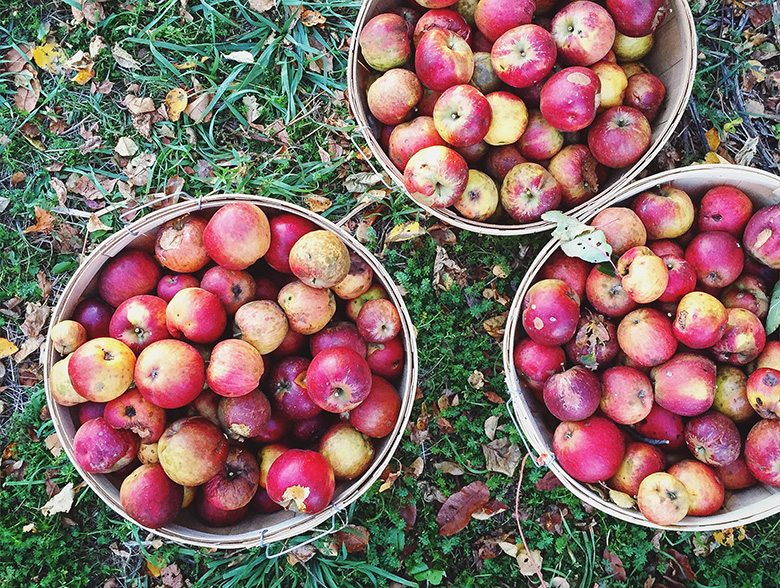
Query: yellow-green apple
[
  {"x": 606, "y": 294},
  {"x": 762, "y": 236},
  {"x": 637, "y": 18},
  {"x": 67, "y": 336},
  {"x": 736, "y": 475},
  {"x": 384, "y": 41},
  {"x": 90, "y": 410},
  {"x": 244, "y": 416},
  {"x": 377, "y": 415},
  {"x": 631, "y": 68},
  {"x": 301, "y": 480},
  {"x": 627, "y": 396},
  {"x": 308, "y": 309},
  {"x": 763, "y": 392},
  {"x": 236, "y": 483},
  {"x": 570, "y": 98},
  {"x": 493, "y": 18},
  {"x": 480, "y": 199},
  {"x": 704, "y": 486},
  {"x": 499, "y": 161},
  {"x": 762, "y": 451},
  {"x": 748, "y": 292},
  {"x": 594, "y": 344},
  {"x": 94, "y": 315},
  {"x": 467, "y": 8},
  {"x": 353, "y": 306},
  {"x": 435, "y": 3},
  {"x": 233, "y": 287},
  {"x": 170, "y": 373},
  {"x": 524, "y": 55},
  {"x": 235, "y": 368},
  {"x": 664, "y": 247},
  {"x": 386, "y": 359},
  {"x": 286, "y": 229},
  {"x": 663, "y": 427},
  {"x": 663, "y": 499},
  {"x": 349, "y": 452},
  {"x": 172, "y": 283},
  {"x": 646, "y": 93},
  {"x": 590, "y": 450},
  {"x": 151, "y": 498},
  {"x": 575, "y": 170},
  {"x": 622, "y": 228},
  {"x": 196, "y": 314},
  {"x": 192, "y": 450},
  {"x": 583, "y": 32},
  {"x": 442, "y": 18},
  {"x": 320, "y": 259},
  {"x": 99, "y": 448},
  {"x": 473, "y": 154},
  {"x": 536, "y": 362},
  {"x": 101, "y": 369},
  {"x": 130, "y": 273},
  {"x": 462, "y": 115},
  {"x": 540, "y": 141},
  {"x": 528, "y": 191},
  {"x": 139, "y": 321},
  {"x": 667, "y": 212},
  {"x": 572, "y": 270},
  {"x": 642, "y": 325},
  {"x": 338, "y": 379},
  {"x": 700, "y": 320},
  {"x": 62, "y": 389},
  {"x": 147, "y": 453},
  {"x": 393, "y": 96},
  {"x": 179, "y": 244},
  {"x": 211, "y": 516},
  {"x": 339, "y": 334},
  {"x": 509, "y": 118},
  {"x": 287, "y": 384},
  {"x": 551, "y": 310},
  {"x": 572, "y": 395},
  {"x": 682, "y": 278},
  {"x": 643, "y": 274},
  {"x": 632, "y": 48},
  {"x": 770, "y": 356},
  {"x": 443, "y": 59},
  {"x": 436, "y": 176},
  {"x": 278, "y": 427},
  {"x": 485, "y": 78},
  {"x": 263, "y": 324},
  {"x": 613, "y": 83},
  {"x": 134, "y": 412},
  {"x": 619, "y": 136},
  {"x": 408, "y": 138},
  {"x": 743, "y": 338},
  {"x": 237, "y": 235},
  {"x": 266, "y": 457},
  {"x": 713, "y": 438},
  {"x": 731, "y": 396},
  {"x": 357, "y": 281},
  {"x": 685, "y": 384},
  {"x": 640, "y": 460}
]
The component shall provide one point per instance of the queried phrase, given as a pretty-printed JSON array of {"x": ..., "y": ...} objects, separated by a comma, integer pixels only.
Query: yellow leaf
[
  {"x": 391, "y": 478},
  {"x": 48, "y": 57},
  {"x": 185, "y": 65},
  {"x": 622, "y": 499},
  {"x": 714, "y": 158},
  {"x": 7, "y": 348},
  {"x": 404, "y": 232},
  {"x": 317, "y": 203},
  {"x": 175, "y": 103},
  {"x": 153, "y": 570},
  {"x": 84, "y": 76},
  {"x": 713, "y": 139},
  {"x": 44, "y": 222},
  {"x": 311, "y": 18},
  {"x": 82, "y": 64}
]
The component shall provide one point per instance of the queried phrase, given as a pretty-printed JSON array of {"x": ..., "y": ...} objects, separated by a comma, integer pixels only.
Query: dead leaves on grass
[
  {"x": 456, "y": 512},
  {"x": 44, "y": 222}
]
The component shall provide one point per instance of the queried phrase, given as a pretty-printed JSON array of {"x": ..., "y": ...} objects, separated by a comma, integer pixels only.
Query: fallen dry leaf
[
  {"x": 353, "y": 537},
  {"x": 713, "y": 139},
  {"x": 14, "y": 62},
  {"x": 499, "y": 272},
  {"x": 408, "y": 512},
  {"x": 502, "y": 456},
  {"x": 123, "y": 58},
  {"x": 44, "y": 222},
  {"x": 30, "y": 346},
  {"x": 82, "y": 64},
  {"x": 138, "y": 104},
  {"x": 96, "y": 45},
  {"x": 726, "y": 537},
  {"x": 446, "y": 272},
  {"x": 456, "y": 512},
  {"x": 616, "y": 565},
  {"x": 477, "y": 380},
  {"x": 44, "y": 284},
  {"x": 312, "y": 18},
  {"x": 494, "y": 326},
  {"x": 390, "y": 480},
  {"x": 404, "y": 232},
  {"x": 138, "y": 169},
  {"x": 171, "y": 576},
  {"x": 175, "y": 103},
  {"x": 54, "y": 445},
  {"x": 415, "y": 469},
  {"x": 491, "y": 424},
  {"x": 62, "y": 502},
  {"x": 95, "y": 224},
  {"x": 317, "y": 203},
  {"x": 683, "y": 564},
  {"x": 197, "y": 109},
  {"x": 262, "y": 5},
  {"x": 35, "y": 318},
  {"x": 29, "y": 528},
  {"x": 523, "y": 557},
  {"x": 7, "y": 348},
  {"x": 621, "y": 499},
  {"x": 492, "y": 508},
  {"x": 28, "y": 90},
  {"x": 49, "y": 57},
  {"x": 301, "y": 554},
  {"x": 18, "y": 177},
  {"x": 449, "y": 467},
  {"x": 240, "y": 56},
  {"x": 126, "y": 147},
  {"x": 60, "y": 190}
]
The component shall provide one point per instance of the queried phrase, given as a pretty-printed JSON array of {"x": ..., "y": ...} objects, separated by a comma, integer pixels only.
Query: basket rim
[
  {"x": 298, "y": 523},
  {"x": 680, "y": 9},
  {"x": 515, "y": 386}
]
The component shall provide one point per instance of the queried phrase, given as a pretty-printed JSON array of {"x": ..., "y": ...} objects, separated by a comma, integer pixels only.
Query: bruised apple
[
  {"x": 287, "y": 384},
  {"x": 357, "y": 281},
  {"x": 348, "y": 451},
  {"x": 662, "y": 426},
  {"x": 150, "y": 497},
  {"x": 62, "y": 389},
  {"x": 320, "y": 259},
  {"x": 642, "y": 325},
  {"x": 572, "y": 395},
  {"x": 644, "y": 274},
  {"x": 713, "y": 438},
  {"x": 236, "y": 483},
  {"x": 245, "y": 416},
  {"x": 192, "y": 450},
  {"x": 339, "y": 334},
  {"x": 134, "y": 412},
  {"x": 179, "y": 244},
  {"x": 101, "y": 449},
  {"x": 700, "y": 320},
  {"x": 308, "y": 309},
  {"x": 763, "y": 392},
  {"x": 233, "y": 287},
  {"x": 704, "y": 486},
  {"x": 551, "y": 311},
  {"x": 301, "y": 480},
  {"x": 663, "y": 499},
  {"x": 436, "y": 176},
  {"x": 528, "y": 191}
]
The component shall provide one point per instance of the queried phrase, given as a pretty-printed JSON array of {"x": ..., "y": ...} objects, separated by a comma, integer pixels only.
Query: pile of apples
[
  {"x": 260, "y": 374},
  {"x": 659, "y": 370},
  {"x": 493, "y": 106}
]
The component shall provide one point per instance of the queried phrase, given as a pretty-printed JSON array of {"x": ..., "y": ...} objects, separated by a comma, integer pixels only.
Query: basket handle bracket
[
  {"x": 543, "y": 459},
  {"x": 322, "y": 533}
]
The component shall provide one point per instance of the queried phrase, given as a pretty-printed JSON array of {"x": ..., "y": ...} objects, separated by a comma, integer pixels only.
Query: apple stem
[{"x": 520, "y": 528}]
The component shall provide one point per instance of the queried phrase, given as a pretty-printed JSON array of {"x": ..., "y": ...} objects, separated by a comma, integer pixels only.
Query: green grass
[{"x": 289, "y": 88}]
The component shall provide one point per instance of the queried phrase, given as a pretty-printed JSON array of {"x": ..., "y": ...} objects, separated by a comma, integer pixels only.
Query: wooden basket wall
[
  {"x": 259, "y": 529},
  {"x": 673, "y": 60},
  {"x": 742, "y": 506}
]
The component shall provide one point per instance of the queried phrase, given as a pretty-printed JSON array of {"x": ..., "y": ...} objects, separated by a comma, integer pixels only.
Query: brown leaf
[
  {"x": 615, "y": 565},
  {"x": 60, "y": 502},
  {"x": 488, "y": 547},
  {"x": 552, "y": 521},
  {"x": 35, "y": 318},
  {"x": 354, "y": 537},
  {"x": 18, "y": 177},
  {"x": 44, "y": 222},
  {"x": 28, "y": 89},
  {"x": 301, "y": 554},
  {"x": 91, "y": 140},
  {"x": 262, "y": 5},
  {"x": 449, "y": 467},
  {"x": 104, "y": 87},
  {"x": 196, "y": 109},
  {"x": 683, "y": 564},
  {"x": 29, "y": 347},
  {"x": 408, "y": 512},
  {"x": 60, "y": 190},
  {"x": 95, "y": 224},
  {"x": 317, "y": 203},
  {"x": 84, "y": 186},
  {"x": 494, "y": 326},
  {"x": 138, "y": 104},
  {"x": 171, "y": 576},
  {"x": 492, "y": 508},
  {"x": 312, "y": 18},
  {"x": 123, "y": 58},
  {"x": 491, "y": 425},
  {"x": 390, "y": 480},
  {"x": 456, "y": 512},
  {"x": 477, "y": 380},
  {"x": 493, "y": 397},
  {"x": 138, "y": 169},
  {"x": 44, "y": 284},
  {"x": 445, "y": 427},
  {"x": 415, "y": 469},
  {"x": 502, "y": 456},
  {"x": 14, "y": 61},
  {"x": 446, "y": 272}
]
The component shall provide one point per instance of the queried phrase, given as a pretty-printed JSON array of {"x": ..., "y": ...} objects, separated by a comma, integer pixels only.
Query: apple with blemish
[
  {"x": 94, "y": 315},
  {"x": 619, "y": 136},
  {"x": 101, "y": 369},
  {"x": 338, "y": 379},
  {"x": 357, "y": 281},
  {"x": 666, "y": 212},
  {"x": 499, "y": 161},
  {"x": 639, "y": 461},
  {"x": 700, "y": 320},
  {"x": 443, "y": 59},
  {"x": 570, "y": 98},
  {"x": 99, "y": 448},
  {"x": 493, "y": 18},
  {"x": 237, "y": 235},
  {"x": 410, "y": 137},
  {"x": 301, "y": 480},
  {"x": 762, "y": 236},
  {"x": 288, "y": 388},
  {"x": 622, "y": 228},
  {"x": 551, "y": 311},
  {"x": 233, "y": 287},
  {"x": 717, "y": 258},
  {"x": 197, "y": 315},
  {"x": 704, "y": 486},
  {"x": 62, "y": 390},
  {"x": 572, "y": 395},
  {"x": 285, "y": 229},
  {"x": 763, "y": 392},
  {"x": 386, "y": 359},
  {"x": 263, "y": 324},
  {"x": 663, "y": 427},
  {"x": 646, "y": 93},
  {"x": 663, "y": 499},
  {"x": 762, "y": 451},
  {"x": 685, "y": 384},
  {"x": 378, "y": 321},
  {"x": 480, "y": 198},
  {"x": 731, "y": 396},
  {"x": 627, "y": 396},
  {"x": 644, "y": 275},
  {"x": 130, "y": 273},
  {"x": 320, "y": 259},
  {"x": 170, "y": 373},
  {"x": 637, "y": 18},
  {"x": 441, "y": 18},
  {"x": 713, "y": 438},
  {"x": 590, "y": 450},
  {"x": 169, "y": 285},
  {"x": 523, "y": 56},
  {"x": 67, "y": 336},
  {"x": 307, "y": 432},
  {"x": 384, "y": 41},
  {"x": 134, "y": 412},
  {"x": 528, "y": 191},
  {"x": 147, "y": 453},
  {"x": 192, "y": 450},
  {"x": 583, "y": 32},
  {"x": 179, "y": 244},
  {"x": 378, "y": 414},
  {"x": 575, "y": 170},
  {"x": 150, "y": 497},
  {"x": 606, "y": 294},
  {"x": 307, "y": 309},
  {"x": 594, "y": 344},
  {"x": 236, "y": 483},
  {"x": 642, "y": 325},
  {"x": 393, "y": 96},
  {"x": 748, "y": 292},
  {"x": 436, "y": 176},
  {"x": 743, "y": 338},
  {"x": 485, "y": 79}
]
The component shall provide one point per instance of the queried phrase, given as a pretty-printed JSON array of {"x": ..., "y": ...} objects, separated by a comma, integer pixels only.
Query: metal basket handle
[{"x": 317, "y": 537}]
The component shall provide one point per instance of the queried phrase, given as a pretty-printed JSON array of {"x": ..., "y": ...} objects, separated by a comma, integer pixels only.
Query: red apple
[
  {"x": 640, "y": 461},
  {"x": 151, "y": 498},
  {"x": 736, "y": 475},
  {"x": 192, "y": 450},
  {"x": 572, "y": 270},
  {"x": 212, "y": 516},
  {"x": 663, "y": 499},
  {"x": 551, "y": 310},
  {"x": 139, "y": 321},
  {"x": 307, "y": 432},
  {"x": 436, "y": 176},
  {"x": 338, "y": 379},
  {"x": 664, "y": 247},
  {"x": 169, "y": 285},
  {"x": 590, "y": 450},
  {"x": 237, "y": 235},
  {"x": 235, "y": 368},
  {"x": 717, "y": 258},
  {"x": 540, "y": 141},
  {"x": 473, "y": 154},
  {"x": 348, "y": 451},
  {"x": 523, "y": 55},
  {"x": 627, "y": 396},
  {"x": 583, "y": 32},
  {"x": 427, "y": 102},
  {"x": 354, "y": 305},
  {"x": 261, "y": 323},
  {"x": 130, "y": 273},
  {"x": 644, "y": 274},
  {"x": 286, "y": 229},
  {"x": 682, "y": 278},
  {"x": 287, "y": 384},
  {"x": 500, "y": 160},
  {"x": 134, "y": 412},
  {"x": 378, "y": 321},
  {"x": 441, "y": 18},
  {"x": 378, "y": 414},
  {"x": 574, "y": 168},
  {"x": 606, "y": 294},
  {"x": 643, "y": 325},
  {"x": 462, "y": 115},
  {"x": 179, "y": 244},
  {"x": 703, "y": 484},
  {"x": 170, "y": 373},
  {"x": 196, "y": 314},
  {"x": 493, "y": 18},
  {"x": 663, "y": 427},
  {"x": 278, "y": 428},
  {"x": 700, "y": 320},
  {"x": 762, "y": 452},
  {"x": 386, "y": 359},
  {"x": 206, "y": 404},
  {"x": 301, "y": 480},
  {"x": 101, "y": 369},
  {"x": 637, "y": 19},
  {"x": 770, "y": 356},
  {"x": 620, "y": 136},
  {"x": 95, "y": 316},
  {"x": 236, "y": 483},
  {"x": 101, "y": 449},
  {"x": 233, "y": 287},
  {"x": 528, "y": 191},
  {"x": 572, "y": 395},
  {"x": 410, "y": 137},
  {"x": 743, "y": 338},
  {"x": 685, "y": 384},
  {"x": 646, "y": 93},
  {"x": 339, "y": 334},
  {"x": 667, "y": 212},
  {"x": 536, "y": 363},
  {"x": 622, "y": 228},
  {"x": 384, "y": 41},
  {"x": 748, "y": 292},
  {"x": 67, "y": 336},
  {"x": 713, "y": 438},
  {"x": 763, "y": 392},
  {"x": 570, "y": 97},
  {"x": 90, "y": 410},
  {"x": 443, "y": 59},
  {"x": 762, "y": 236}
]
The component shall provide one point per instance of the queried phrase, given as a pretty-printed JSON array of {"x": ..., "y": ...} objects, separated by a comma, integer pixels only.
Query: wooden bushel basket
[
  {"x": 741, "y": 506},
  {"x": 673, "y": 60},
  {"x": 257, "y": 529}
]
